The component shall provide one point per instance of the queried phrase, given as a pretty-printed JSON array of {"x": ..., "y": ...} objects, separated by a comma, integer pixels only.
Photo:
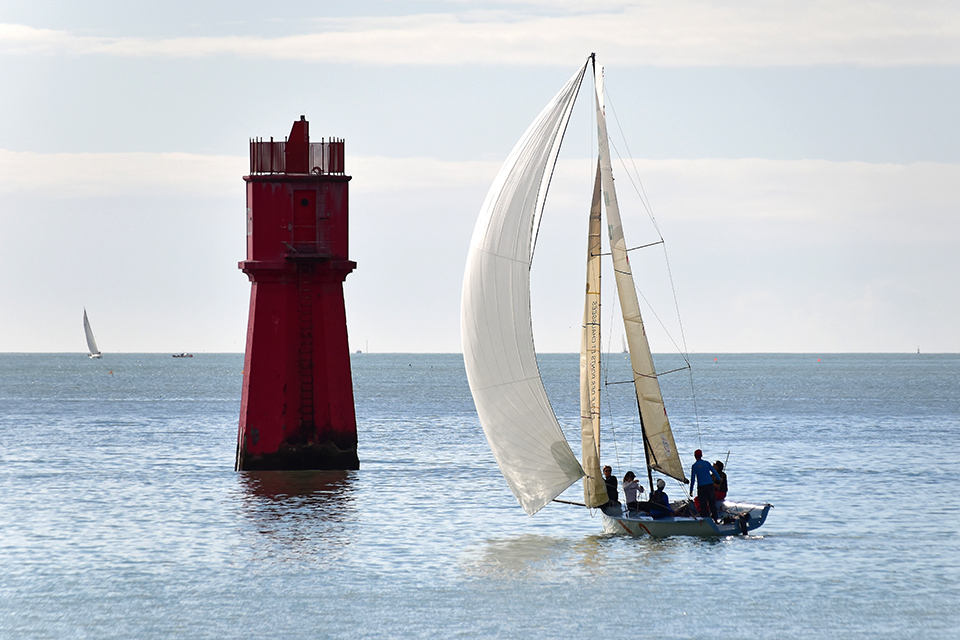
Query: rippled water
[{"x": 120, "y": 515}]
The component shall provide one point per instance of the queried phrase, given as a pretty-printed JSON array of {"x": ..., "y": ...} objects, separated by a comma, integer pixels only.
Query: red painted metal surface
[{"x": 297, "y": 408}]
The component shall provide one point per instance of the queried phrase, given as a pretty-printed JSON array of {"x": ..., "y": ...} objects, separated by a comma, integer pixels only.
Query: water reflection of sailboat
[
  {"x": 532, "y": 555},
  {"x": 524, "y": 555}
]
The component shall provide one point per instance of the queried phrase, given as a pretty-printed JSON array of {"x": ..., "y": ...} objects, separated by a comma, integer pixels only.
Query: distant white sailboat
[{"x": 91, "y": 341}]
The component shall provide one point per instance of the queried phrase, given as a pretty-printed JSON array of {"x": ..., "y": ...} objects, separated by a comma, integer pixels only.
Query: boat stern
[{"x": 739, "y": 518}]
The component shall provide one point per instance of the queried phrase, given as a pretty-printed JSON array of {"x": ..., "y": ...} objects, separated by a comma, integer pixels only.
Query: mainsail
[
  {"x": 91, "y": 342},
  {"x": 496, "y": 329},
  {"x": 659, "y": 445}
]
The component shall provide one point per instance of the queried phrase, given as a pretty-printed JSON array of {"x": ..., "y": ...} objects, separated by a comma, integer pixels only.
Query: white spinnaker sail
[
  {"x": 91, "y": 343},
  {"x": 660, "y": 445},
  {"x": 594, "y": 488},
  {"x": 498, "y": 352}
]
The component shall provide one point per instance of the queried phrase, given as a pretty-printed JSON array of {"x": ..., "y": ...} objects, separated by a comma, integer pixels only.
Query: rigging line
[
  {"x": 644, "y": 200},
  {"x": 696, "y": 409},
  {"x": 666, "y": 258},
  {"x": 642, "y": 246},
  {"x": 644, "y": 375},
  {"x": 643, "y": 197},
  {"x": 642, "y": 194},
  {"x": 676, "y": 303},
  {"x": 683, "y": 354},
  {"x": 555, "y": 152},
  {"x": 683, "y": 340},
  {"x": 603, "y": 397},
  {"x": 613, "y": 433},
  {"x": 605, "y": 366},
  {"x": 673, "y": 371},
  {"x": 576, "y": 504},
  {"x": 682, "y": 351}
]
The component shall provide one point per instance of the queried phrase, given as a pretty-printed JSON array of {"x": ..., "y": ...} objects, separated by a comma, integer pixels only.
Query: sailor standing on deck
[{"x": 703, "y": 475}]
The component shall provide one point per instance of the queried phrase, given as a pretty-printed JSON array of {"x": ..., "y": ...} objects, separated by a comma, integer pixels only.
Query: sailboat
[
  {"x": 498, "y": 348},
  {"x": 91, "y": 342}
]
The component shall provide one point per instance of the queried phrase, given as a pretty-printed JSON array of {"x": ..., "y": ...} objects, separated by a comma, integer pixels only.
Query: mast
[
  {"x": 646, "y": 448},
  {"x": 594, "y": 488},
  {"x": 659, "y": 446}
]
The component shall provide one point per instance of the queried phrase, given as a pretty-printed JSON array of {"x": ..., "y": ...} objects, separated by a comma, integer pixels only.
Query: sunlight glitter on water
[{"x": 121, "y": 515}]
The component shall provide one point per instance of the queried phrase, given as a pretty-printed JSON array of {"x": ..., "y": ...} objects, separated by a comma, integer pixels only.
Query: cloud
[
  {"x": 917, "y": 201},
  {"x": 682, "y": 33},
  {"x": 110, "y": 174},
  {"x": 767, "y": 254},
  {"x": 378, "y": 173},
  {"x": 771, "y": 255},
  {"x": 115, "y": 174},
  {"x": 815, "y": 201}
]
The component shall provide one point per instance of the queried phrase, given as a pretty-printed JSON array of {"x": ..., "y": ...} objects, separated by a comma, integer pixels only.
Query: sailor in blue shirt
[{"x": 702, "y": 474}]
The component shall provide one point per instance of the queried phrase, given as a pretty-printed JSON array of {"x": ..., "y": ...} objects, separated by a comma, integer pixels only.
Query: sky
[{"x": 801, "y": 159}]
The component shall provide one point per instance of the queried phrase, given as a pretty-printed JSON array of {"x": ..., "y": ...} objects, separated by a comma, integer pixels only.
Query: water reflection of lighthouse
[
  {"x": 296, "y": 513},
  {"x": 297, "y": 409}
]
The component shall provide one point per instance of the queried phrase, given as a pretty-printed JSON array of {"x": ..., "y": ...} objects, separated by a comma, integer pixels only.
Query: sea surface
[{"x": 121, "y": 515}]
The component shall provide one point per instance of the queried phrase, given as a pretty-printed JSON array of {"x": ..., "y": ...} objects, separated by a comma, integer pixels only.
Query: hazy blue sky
[{"x": 802, "y": 159}]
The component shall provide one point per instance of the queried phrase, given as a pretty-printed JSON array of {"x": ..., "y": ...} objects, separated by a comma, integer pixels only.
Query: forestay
[{"x": 496, "y": 329}]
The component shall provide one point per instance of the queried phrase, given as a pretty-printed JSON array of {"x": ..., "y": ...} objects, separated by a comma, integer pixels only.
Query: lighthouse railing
[{"x": 268, "y": 156}]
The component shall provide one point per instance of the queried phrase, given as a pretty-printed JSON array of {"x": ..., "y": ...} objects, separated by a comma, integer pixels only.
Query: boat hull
[{"x": 740, "y": 518}]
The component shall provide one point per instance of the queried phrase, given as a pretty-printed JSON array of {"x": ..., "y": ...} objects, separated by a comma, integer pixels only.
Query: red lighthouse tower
[{"x": 297, "y": 407}]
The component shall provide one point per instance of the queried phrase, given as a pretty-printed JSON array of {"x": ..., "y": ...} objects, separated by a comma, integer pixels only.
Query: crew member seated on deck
[
  {"x": 720, "y": 488},
  {"x": 631, "y": 491},
  {"x": 661, "y": 502},
  {"x": 611, "y": 481}
]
